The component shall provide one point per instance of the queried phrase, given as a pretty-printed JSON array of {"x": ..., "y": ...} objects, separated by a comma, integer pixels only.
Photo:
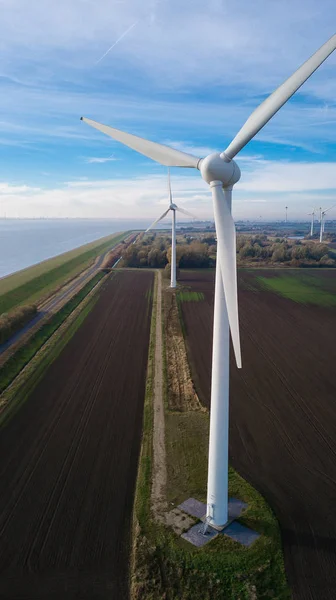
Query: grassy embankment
[
  {"x": 165, "y": 565},
  {"x": 303, "y": 288},
  {"x": 23, "y": 355},
  {"x": 36, "y": 283}
]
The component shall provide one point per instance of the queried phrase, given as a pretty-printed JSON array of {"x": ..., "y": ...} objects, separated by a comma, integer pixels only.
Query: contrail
[{"x": 117, "y": 42}]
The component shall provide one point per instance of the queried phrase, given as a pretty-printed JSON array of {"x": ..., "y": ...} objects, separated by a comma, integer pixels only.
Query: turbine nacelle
[
  {"x": 173, "y": 206},
  {"x": 216, "y": 168}
]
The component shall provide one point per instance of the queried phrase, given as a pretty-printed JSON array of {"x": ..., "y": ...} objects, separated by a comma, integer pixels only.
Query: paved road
[{"x": 56, "y": 301}]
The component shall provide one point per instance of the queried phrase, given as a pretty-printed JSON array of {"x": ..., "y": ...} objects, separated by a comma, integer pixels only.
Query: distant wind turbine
[
  {"x": 322, "y": 220},
  {"x": 312, "y": 214},
  {"x": 286, "y": 212},
  {"x": 173, "y": 208},
  {"x": 221, "y": 172}
]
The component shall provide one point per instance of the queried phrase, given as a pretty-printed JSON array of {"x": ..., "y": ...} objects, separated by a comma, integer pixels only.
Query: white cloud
[
  {"x": 7, "y": 189},
  {"x": 258, "y": 43},
  {"x": 275, "y": 177},
  {"x": 191, "y": 73},
  {"x": 268, "y": 184},
  {"x": 99, "y": 160}
]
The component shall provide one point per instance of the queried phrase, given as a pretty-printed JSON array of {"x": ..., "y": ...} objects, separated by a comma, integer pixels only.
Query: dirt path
[
  {"x": 159, "y": 504},
  {"x": 181, "y": 393}
]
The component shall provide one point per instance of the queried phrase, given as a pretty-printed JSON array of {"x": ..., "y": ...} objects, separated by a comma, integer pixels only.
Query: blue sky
[{"x": 187, "y": 74}]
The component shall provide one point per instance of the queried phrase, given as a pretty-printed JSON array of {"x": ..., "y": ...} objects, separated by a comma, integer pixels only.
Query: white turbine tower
[
  {"x": 322, "y": 220},
  {"x": 221, "y": 172},
  {"x": 173, "y": 207},
  {"x": 312, "y": 214}
]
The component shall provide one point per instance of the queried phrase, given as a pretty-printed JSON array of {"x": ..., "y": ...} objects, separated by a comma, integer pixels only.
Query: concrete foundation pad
[
  {"x": 240, "y": 533},
  {"x": 235, "y": 508},
  {"x": 197, "y": 509},
  {"x": 196, "y": 537},
  {"x": 193, "y": 507}
]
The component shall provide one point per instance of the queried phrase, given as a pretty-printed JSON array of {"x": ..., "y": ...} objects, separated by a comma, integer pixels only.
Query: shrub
[{"x": 11, "y": 322}]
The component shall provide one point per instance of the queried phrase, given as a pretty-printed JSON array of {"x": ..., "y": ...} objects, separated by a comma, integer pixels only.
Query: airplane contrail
[{"x": 116, "y": 42}]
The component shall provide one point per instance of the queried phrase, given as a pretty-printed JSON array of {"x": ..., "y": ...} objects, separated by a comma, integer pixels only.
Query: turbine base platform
[{"x": 196, "y": 536}]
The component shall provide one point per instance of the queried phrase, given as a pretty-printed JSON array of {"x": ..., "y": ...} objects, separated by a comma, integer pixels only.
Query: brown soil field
[
  {"x": 68, "y": 458},
  {"x": 282, "y": 417}
]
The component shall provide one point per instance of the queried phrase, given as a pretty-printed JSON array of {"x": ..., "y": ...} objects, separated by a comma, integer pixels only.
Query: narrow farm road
[
  {"x": 159, "y": 449},
  {"x": 57, "y": 300}
]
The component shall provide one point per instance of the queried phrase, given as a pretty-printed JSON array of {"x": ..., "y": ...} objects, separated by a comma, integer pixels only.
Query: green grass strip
[
  {"x": 298, "y": 290},
  {"x": 143, "y": 487},
  {"x": 23, "y": 355},
  {"x": 222, "y": 564},
  {"x": 190, "y": 296}
]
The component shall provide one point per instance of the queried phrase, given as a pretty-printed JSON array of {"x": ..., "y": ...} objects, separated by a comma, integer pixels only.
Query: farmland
[
  {"x": 283, "y": 412},
  {"x": 69, "y": 456}
]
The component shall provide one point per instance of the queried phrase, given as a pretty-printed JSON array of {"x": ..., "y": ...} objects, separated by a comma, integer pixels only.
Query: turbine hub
[
  {"x": 172, "y": 206},
  {"x": 215, "y": 168}
]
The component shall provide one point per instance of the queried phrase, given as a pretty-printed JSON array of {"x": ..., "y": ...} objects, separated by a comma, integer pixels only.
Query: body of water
[{"x": 24, "y": 243}]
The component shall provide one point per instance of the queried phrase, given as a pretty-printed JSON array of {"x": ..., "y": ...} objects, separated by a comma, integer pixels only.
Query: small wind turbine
[
  {"x": 221, "y": 172},
  {"x": 312, "y": 214},
  {"x": 322, "y": 220},
  {"x": 173, "y": 207},
  {"x": 286, "y": 212}
]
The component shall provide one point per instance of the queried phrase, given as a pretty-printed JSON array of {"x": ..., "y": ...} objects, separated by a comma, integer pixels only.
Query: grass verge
[
  {"x": 304, "y": 290},
  {"x": 223, "y": 568},
  {"x": 141, "y": 512},
  {"x": 186, "y": 296},
  {"x": 24, "y": 354}
]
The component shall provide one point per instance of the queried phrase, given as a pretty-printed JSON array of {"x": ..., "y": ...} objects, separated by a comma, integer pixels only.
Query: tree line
[
  {"x": 154, "y": 251},
  {"x": 259, "y": 249}
]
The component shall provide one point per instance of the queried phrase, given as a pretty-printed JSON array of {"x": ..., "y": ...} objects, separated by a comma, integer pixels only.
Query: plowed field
[
  {"x": 282, "y": 415},
  {"x": 69, "y": 457}
]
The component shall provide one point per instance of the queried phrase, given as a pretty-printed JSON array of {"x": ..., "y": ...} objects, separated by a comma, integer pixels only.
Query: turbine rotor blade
[
  {"x": 327, "y": 209},
  {"x": 169, "y": 188},
  {"x": 185, "y": 212},
  {"x": 162, "y": 154},
  {"x": 226, "y": 250},
  {"x": 157, "y": 220},
  {"x": 267, "y": 109}
]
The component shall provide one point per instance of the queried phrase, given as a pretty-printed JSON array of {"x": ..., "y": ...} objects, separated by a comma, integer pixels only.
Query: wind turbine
[
  {"x": 173, "y": 207},
  {"x": 322, "y": 220},
  {"x": 312, "y": 214},
  {"x": 221, "y": 172},
  {"x": 286, "y": 212}
]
